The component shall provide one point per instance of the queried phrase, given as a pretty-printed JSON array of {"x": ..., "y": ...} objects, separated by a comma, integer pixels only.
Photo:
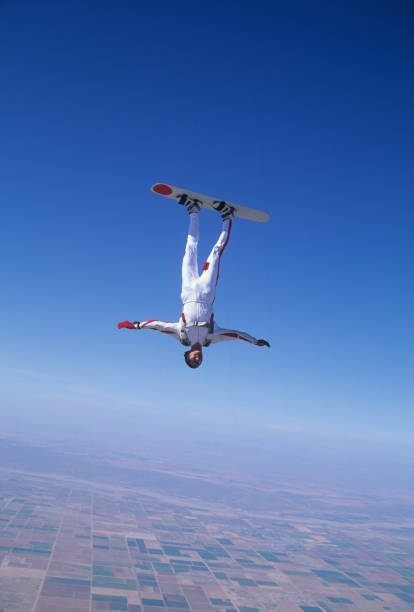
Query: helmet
[{"x": 191, "y": 362}]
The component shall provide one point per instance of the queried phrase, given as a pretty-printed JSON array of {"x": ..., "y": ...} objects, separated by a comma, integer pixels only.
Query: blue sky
[{"x": 304, "y": 110}]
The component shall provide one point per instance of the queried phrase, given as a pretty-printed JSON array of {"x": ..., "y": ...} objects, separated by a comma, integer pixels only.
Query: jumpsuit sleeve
[
  {"x": 172, "y": 329},
  {"x": 224, "y": 335}
]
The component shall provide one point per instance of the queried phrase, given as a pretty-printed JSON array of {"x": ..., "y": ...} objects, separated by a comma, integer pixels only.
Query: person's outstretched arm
[
  {"x": 163, "y": 326},
  {"x": 224, "y": 335}
]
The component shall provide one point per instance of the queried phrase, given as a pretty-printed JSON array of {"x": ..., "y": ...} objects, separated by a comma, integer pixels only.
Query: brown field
[{"x": 78, "y": 533}]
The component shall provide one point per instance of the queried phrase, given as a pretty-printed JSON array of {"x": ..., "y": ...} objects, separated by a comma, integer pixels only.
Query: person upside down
[{"x": 197, "y": 327}]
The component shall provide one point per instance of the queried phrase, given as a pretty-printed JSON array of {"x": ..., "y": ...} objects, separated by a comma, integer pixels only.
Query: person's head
[{"x": 194, "y": 356}]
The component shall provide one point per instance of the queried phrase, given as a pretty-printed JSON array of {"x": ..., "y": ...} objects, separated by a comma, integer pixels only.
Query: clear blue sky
[{"x": 302, "y": 109}]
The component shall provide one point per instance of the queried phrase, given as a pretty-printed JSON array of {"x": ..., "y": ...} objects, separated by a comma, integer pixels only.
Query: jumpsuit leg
[
  {"x": 190, "y": 262},
  {"x": 210, "y": 275}
]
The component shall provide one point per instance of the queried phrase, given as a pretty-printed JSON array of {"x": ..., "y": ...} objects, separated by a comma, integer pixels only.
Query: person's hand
[
  {"x": 262, "y": 342},
  {"x": 128, "y": 325}
]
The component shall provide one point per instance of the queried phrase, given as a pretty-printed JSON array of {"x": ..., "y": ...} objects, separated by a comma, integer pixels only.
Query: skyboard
[{"x": 182, "y": 196}]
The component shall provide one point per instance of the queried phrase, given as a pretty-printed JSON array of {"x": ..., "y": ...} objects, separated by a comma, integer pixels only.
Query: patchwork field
[{"x": 84, "y": 534}]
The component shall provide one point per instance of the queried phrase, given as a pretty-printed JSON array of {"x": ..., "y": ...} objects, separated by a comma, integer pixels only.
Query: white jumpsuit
[{"x": 198, "y": 294}]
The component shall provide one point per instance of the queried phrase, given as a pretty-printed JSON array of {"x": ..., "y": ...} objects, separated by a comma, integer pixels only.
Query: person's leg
[
  {"x": 211, "y": 267},
  {"x": 190, "y": 263}
]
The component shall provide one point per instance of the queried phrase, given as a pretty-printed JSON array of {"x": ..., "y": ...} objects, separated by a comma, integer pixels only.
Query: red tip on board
[{"x": 162, "y": 189}]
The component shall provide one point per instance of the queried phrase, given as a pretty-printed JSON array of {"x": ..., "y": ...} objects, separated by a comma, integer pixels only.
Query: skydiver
[{"x": 197, "y": 328}]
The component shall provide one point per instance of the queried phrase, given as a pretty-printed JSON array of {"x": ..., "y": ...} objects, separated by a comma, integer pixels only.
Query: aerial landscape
[{"x": 142, "y": 535}]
